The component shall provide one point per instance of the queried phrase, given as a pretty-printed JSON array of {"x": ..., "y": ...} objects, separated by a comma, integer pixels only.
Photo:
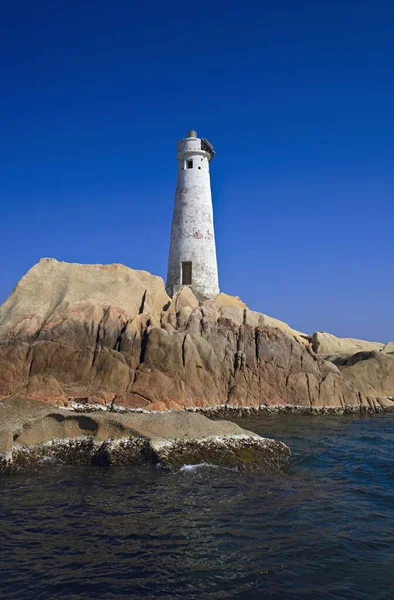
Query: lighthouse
[{"x": 192, "y": 259}]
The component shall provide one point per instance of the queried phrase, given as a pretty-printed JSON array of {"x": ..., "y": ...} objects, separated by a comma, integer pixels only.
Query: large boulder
[
  {"x": 371, "y": 372},
  {"x": 31, "y": 431},
  {"x": 58, "y": 298},
  {"x": 327, "y": 344},
  {"x": 366, "y": 366},
  {"x": 102, "y": 333},
  {"x": 389, "y": 348}
]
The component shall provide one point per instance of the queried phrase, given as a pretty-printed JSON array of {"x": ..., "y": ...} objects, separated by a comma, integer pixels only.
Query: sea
[{"x": 322, "y": 530}]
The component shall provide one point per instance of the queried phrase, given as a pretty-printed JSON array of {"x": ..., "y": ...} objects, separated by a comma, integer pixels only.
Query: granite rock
[
  {"x": 108, "y": 333},
  {"x": 329, "y": 345},
  {"x": 371, "y": 372},
  {"x": 366, "y": 366},
  {"x": 33, "y": 431}
]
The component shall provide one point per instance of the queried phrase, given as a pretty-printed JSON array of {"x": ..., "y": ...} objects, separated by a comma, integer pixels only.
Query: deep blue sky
[{"x": 298, "y": 100}]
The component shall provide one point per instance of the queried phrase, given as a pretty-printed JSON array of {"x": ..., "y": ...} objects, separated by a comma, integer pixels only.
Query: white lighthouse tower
[{"x": 192, "y": 260}]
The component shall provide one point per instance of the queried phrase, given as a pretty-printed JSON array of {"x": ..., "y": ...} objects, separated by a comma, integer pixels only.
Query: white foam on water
[{"x": 197, "y": 466}]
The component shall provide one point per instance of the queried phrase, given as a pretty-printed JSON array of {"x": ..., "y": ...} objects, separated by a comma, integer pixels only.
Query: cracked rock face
[{"x": 107, "y": 333}]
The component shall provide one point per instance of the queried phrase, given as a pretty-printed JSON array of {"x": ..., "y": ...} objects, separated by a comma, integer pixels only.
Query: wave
[{"x": 198, "y": 466}]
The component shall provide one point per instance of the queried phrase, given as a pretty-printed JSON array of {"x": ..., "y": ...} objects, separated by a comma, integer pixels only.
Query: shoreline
[
  {"x": 32, "y": 432},
  {"x": 236, "y": 451},
  {"x": 225, "y": 411}
]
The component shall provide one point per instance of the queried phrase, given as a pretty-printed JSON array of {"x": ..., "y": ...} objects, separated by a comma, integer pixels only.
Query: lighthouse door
[{"x": 186, "y": 273}]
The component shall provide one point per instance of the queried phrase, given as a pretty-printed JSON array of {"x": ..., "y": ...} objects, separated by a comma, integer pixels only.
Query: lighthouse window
[
  {"x": 186, "y": 273},
  {"x": 189, "y": 164}
]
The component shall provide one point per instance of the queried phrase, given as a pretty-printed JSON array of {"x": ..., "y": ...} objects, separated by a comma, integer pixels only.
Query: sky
[{"x": 297, "y": 99}]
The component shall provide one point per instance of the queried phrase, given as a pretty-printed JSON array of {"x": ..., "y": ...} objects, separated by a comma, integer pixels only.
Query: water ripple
[{"x": 323, "y": 531}]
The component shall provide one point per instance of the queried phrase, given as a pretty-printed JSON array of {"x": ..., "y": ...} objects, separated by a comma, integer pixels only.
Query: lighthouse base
[{"x": 201, "y": 296}]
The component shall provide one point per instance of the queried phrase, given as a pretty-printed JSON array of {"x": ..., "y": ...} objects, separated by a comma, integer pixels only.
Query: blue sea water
[{"x": 324, "y": 530}]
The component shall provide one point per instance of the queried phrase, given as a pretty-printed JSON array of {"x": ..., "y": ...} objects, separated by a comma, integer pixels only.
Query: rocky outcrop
[
  {"x": 32, "y": 431},
  {"x": 107, "y": 333},
  {"x": 329, "y": 345},
  {"x": 389, "y": 348},
  {"x": 371, "y": 372},
  {"x": 366, "y": 366}
]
